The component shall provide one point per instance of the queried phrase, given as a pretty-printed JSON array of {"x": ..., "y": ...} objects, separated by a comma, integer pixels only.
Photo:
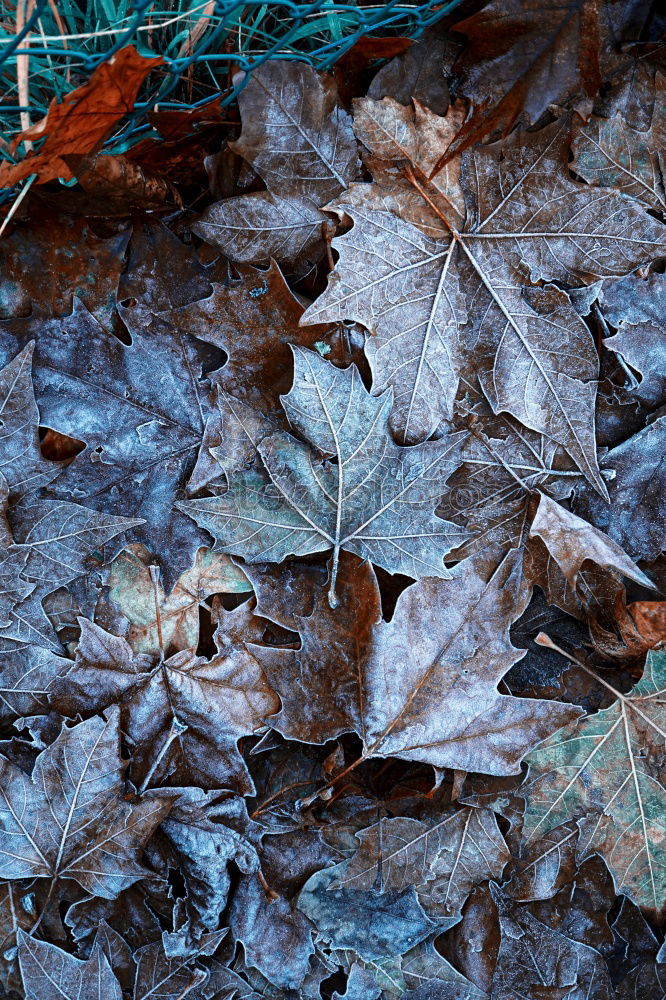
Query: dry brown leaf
[
  {"x": 84, "y": 118},
  {"x": 119, "y": 179}
]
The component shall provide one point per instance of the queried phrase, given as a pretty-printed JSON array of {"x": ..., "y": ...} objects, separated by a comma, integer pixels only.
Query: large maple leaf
[
  {"x": 422, "y": 686},
  {"x": 528, "y": 225},
  {"x": 364, "y": 493},
  {"x": 185, "y": 714},
  {"x": 70, "y": 819},
  {"x": 606, "y": 769}
]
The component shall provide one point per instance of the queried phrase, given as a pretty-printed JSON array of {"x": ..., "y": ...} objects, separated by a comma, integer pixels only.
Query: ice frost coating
[
  {"x": 466, "y": 303},
  {"x": 373, "y": 498}
]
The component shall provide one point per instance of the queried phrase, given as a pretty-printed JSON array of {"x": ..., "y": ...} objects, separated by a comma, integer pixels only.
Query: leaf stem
[
  {"x": 544, "y": 640},
  {"x": 177, "y": 729},
  {"x": 332, "y": 596},
  {"x": 45, "y": 907},
  {"x": 155, "y": 579},
  {"x": 411, "y": 177}
]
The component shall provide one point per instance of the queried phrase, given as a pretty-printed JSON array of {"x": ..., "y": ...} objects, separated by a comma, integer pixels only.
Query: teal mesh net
[{"x": 202, "y": 43}]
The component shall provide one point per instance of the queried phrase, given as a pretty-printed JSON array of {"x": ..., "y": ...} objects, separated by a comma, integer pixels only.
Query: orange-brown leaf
[{"x": 84, "y": 118}]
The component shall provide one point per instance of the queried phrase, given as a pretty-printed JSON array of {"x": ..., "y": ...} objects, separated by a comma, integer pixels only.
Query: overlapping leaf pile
[{"x": 330, "y": 626}]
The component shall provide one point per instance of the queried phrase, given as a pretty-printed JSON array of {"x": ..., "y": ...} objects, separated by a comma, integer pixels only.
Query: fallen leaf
[
  {"x": 141, "y": 432},
  {"x": 420, "y": 73},
  {"x": 28, "y": 675},
  {"x": 612, "y": 154},
  {"x": 572, "y": 541},
  {"x": 276, "y": 937},
  {"x": 373, "y": 498},
  {"x": 635, "y": 518},
  {"x": 50, "y": 257},
  {"x": 443, "y": 859},
  {"x": 186, "y": 713},
  {"x": 370, "y": 780},
  {"x": 21, "y": 462},
  {"x": 546, "y": 866},
  {"x": 400, "y": 137},
  {"x": 301, "y": 144},
  {"x": 207, "y": 831},
  {"x": 522, "y": 57},
  {"x": 85, "y": 117},
  {"x": 252, "y": 318},
  {"x": 605, "y": 769},
  {"x": 71, "y": 819},
  {"x": 423, "y": 972},
  {"x": 157, "y": 622},
  {"x": 527, "y": 223},
  {"x": 360, "y": 60},
  {"x": 422, "y": 686},
  {"x": 536, "y": 961},
  {"x": 49, "y": 971},
  {"x": 119, "y": 179},
  {"x": 633, "y": 630},
  {"x": 375, "y": 925}
]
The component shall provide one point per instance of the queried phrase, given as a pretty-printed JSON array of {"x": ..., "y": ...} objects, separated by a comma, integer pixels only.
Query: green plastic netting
[{"x": 200, "y": 41}]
